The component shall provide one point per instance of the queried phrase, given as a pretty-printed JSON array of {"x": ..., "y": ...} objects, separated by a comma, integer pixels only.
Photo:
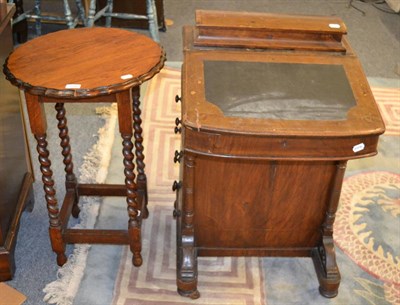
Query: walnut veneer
[
  {"x": 272, "y": 109},
  {"x": 88, "y": 66}
]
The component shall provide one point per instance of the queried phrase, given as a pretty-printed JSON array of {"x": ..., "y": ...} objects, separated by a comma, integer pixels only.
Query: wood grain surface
[{"x": 99, "y": 60}]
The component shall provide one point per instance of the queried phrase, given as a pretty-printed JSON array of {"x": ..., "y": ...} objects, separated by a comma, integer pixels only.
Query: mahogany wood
[
  {"x": 101, "y": 189},
  {"x": 16, "y": 177},
  {"x": 103, "y": 65},
  {"x": 255, "y": 186},
  {"x": 82, "y": 236}
]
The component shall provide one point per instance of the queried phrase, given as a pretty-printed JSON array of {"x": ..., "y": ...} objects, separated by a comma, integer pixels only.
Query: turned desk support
[
  {"x": 128, "y": 114},
  {"x": 324, "y": 256}
]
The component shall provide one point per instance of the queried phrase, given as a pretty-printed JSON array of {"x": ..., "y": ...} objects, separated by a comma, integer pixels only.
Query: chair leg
[
  {"x": 38, "y": 21},
  {"x": 81, "y": 11},
  {"x": 108, "y": 13},
  {"x": 152, "y": 18},
  {"x": 21, "y": 27},
  {"x": 91, "y": 13},
  {"x": 68, "y": 15}
]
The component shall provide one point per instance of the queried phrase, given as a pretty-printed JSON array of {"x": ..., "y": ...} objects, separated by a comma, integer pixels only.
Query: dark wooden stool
[{"x": 88, "y": 66}]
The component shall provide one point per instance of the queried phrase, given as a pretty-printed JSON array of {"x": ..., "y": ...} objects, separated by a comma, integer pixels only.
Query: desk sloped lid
[{"x": 277, "y": 93}]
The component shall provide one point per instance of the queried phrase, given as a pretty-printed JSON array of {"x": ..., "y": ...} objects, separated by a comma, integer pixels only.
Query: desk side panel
[{"x": 257, "y": 204}]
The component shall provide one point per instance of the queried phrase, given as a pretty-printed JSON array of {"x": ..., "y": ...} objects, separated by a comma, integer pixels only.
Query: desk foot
[
  {"x": 326, "y": 268},
  {"x": 187, "y": 268},
  {"x": 327, "y": 293},
  {"x": 195, "y": 294},
  {"x": 137, "y": 260}
]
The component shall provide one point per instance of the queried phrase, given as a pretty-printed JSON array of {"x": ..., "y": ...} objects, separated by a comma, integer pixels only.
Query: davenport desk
[
  {"x": 88, "y": 66},
  {"x": 273, "y": 106}
]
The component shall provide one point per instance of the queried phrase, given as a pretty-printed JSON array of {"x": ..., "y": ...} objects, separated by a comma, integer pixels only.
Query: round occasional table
[{"x": 88, "y": 65}]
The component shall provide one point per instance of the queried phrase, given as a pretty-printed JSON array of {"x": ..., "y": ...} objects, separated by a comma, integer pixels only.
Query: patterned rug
[{"x": 367, "y": 228}]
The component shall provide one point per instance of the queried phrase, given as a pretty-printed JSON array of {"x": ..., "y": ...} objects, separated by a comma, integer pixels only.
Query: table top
[{"x": 84, "y": 62}]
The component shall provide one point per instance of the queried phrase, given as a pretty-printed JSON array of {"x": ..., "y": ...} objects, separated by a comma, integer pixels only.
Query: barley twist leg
[
  {"x": 141, "y": 178},
  {"x": 131, "y": 199},
  {"x": 52, "y": 205},
  {"x": 70, "y": 179}
]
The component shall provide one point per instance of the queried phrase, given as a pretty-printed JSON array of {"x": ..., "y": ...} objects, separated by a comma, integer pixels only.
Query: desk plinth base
[
  {"x": 187, "y": 275},
  {"x": 266, "y": 208}
]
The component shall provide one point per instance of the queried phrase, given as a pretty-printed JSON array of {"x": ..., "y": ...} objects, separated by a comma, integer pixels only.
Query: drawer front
[{"x": 278, "y": 148}]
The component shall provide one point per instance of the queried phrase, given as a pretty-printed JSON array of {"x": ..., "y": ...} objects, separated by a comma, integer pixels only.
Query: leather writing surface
[{"x": 288, "y": 91}]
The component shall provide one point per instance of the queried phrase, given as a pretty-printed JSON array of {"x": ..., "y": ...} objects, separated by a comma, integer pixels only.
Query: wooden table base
[{"x": 135, "y": 188}]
